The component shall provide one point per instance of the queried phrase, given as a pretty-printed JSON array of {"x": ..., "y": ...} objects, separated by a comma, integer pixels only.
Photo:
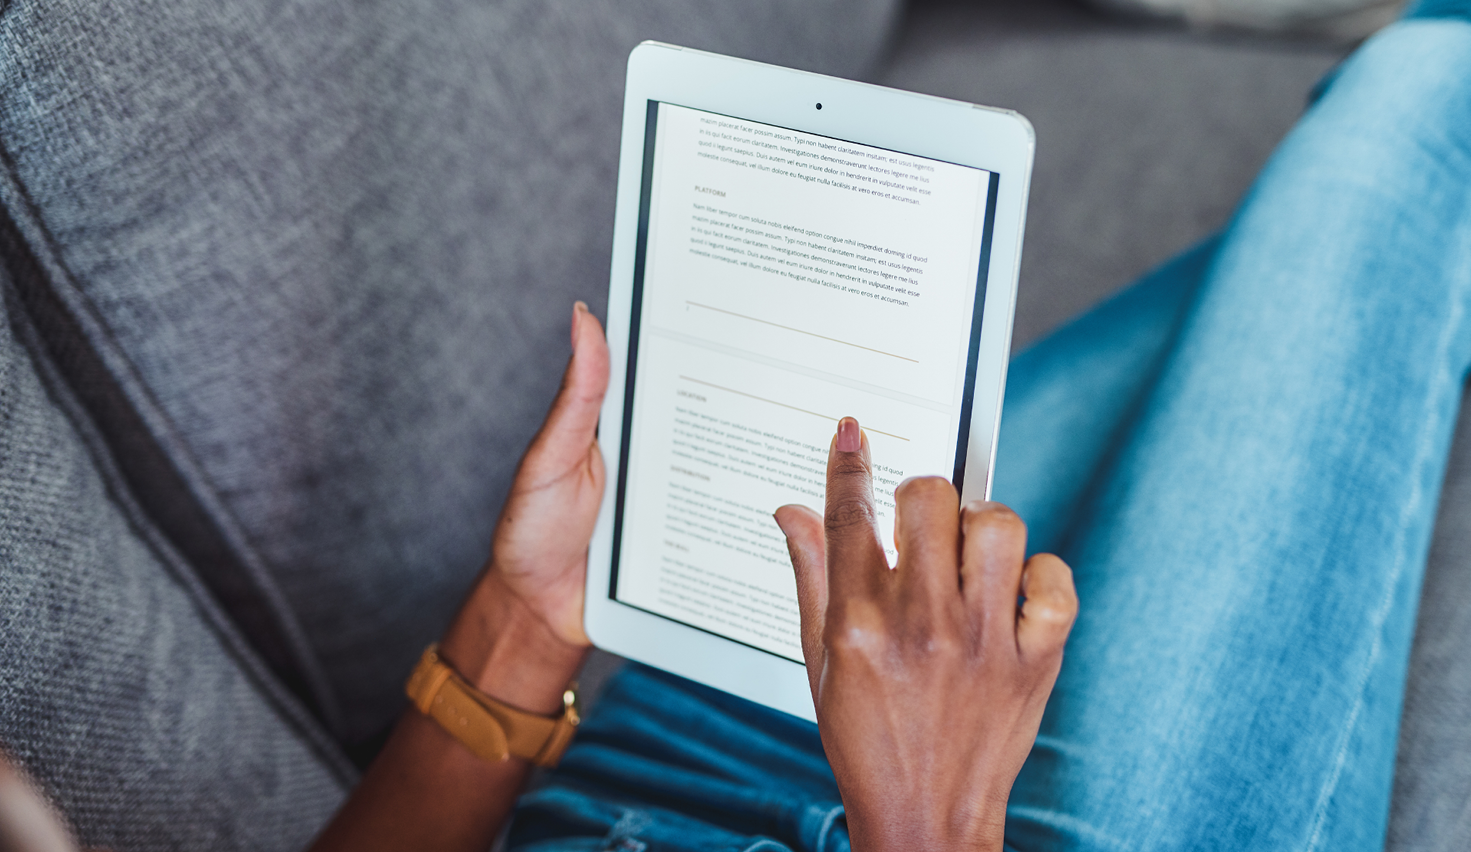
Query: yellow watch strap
[{"x": 491, "y": 729}]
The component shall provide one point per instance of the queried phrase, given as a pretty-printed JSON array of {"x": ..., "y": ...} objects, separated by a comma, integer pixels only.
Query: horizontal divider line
[
  {"x": 792, "y": 407},
  {"x": 800, "y": 331}
]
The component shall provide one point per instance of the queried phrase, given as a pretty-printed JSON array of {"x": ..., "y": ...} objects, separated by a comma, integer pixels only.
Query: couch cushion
[
  {"x": 123, "y": 689},
  {"x": 1147, "y": 137},
  {"x": 324, "y": 256}
]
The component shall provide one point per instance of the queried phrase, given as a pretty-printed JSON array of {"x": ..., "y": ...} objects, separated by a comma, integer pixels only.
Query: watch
[{"x": 491, "y": 729}]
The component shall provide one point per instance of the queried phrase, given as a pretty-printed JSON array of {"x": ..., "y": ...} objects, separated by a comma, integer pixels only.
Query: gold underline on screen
[
  {"x": 800, "y": 331},
  {"x": 784, "y": 405}
]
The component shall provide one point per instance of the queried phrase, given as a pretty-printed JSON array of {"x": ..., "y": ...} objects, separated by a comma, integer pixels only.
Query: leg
[
  {"x": 1249, "y": 562},
  {"x": 1071, "y": 397}
]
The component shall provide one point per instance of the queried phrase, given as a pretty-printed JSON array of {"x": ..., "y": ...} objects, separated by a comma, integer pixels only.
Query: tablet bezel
[{"x": 999, "y": 141}]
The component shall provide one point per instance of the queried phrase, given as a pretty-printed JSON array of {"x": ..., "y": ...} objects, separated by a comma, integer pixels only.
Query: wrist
[
  {"x": 508, "y": 651},
  {"x": 902, "y": 828},
  {"x": 907, "y": 839}
]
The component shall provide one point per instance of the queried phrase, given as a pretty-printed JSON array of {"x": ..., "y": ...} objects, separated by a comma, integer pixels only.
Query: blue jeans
[{"x": 1240, "y": 456}]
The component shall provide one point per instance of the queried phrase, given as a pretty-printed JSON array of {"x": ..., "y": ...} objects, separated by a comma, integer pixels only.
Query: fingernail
[
  {"x": 579, "y": 307},
  {"x": 848, "y": 436},
  {"x": 776, "y": 516}
]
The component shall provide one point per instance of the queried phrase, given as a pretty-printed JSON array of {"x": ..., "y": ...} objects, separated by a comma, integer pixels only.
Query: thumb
[
  {"x": 572, "y": 423},
  {"x": 803, "y": 529}
]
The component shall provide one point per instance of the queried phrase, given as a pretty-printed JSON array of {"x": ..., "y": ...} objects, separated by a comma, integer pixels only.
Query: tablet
[{"x": 788, "y": 249}]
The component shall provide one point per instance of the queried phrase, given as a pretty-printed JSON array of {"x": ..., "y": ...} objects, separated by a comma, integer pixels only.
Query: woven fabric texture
[
  {"x": 324, "y": 255},
  {"x": 123, "y": 690}
]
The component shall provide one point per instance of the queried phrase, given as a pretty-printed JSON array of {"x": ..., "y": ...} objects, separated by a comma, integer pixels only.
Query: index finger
[{"x": 855, "y": 554}]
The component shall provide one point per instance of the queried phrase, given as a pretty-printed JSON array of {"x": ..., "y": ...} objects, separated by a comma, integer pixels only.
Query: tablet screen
[{"x": 783, "y": 280}]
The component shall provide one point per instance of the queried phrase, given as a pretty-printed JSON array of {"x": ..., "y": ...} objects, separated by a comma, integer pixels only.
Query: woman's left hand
[
  {"x": 540, "y": 547},
  {"x": 518, "y": 637},
  {"x": 525, "y": 612}
]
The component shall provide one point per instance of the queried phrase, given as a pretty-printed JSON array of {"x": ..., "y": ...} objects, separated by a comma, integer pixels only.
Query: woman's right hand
[{"x": 929, "y": 679}]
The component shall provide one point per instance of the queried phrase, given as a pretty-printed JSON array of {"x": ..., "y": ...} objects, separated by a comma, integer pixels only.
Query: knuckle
[
  {"x": 847, "y": 514},
  {"x": 857, "y": 634},
  {"x": 924, "y": 489},
  {"x": 1053, "y": 613},
  {"x": 853, "y": 640},
  {"x": 936, "y": 647},
  {"x": 997, "y": 518},
  {"x": 849, "y": 466},
  {"x": 1061, "y": 587}
]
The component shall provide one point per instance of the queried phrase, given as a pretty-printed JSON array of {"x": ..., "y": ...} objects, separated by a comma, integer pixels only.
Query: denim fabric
[
  {"x": 1249, "y": 556},
  {"x": 324, "y": 254},
  {"x": 1268, "y": 419},
  {"x": 1439, "y": 9},
  {"x": 664, "y": 763},
  {"x": 123, "y": 689}
]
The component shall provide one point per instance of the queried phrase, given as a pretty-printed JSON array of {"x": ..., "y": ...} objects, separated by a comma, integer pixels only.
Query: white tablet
[{"x": 789, "y": 249}]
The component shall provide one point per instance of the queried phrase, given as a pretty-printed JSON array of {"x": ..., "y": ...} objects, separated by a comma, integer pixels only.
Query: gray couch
[{"x": 285, "y": 293}]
